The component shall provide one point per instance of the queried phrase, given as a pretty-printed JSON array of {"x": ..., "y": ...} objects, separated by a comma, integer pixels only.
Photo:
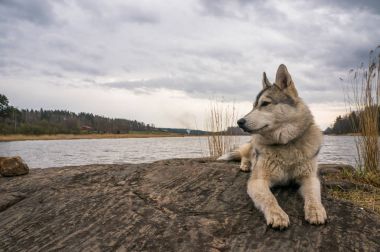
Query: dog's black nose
[{"x": 241, "y": 122}]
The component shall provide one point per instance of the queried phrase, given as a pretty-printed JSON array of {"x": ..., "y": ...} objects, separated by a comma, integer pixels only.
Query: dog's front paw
[
  {"x": 245, "y": 167},
  {"x": 315, "y": 214},
  {"x": 277, "y": 218}
]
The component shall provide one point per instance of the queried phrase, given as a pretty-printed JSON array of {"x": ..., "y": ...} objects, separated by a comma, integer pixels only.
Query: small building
[{"x": 86, "y": 128}]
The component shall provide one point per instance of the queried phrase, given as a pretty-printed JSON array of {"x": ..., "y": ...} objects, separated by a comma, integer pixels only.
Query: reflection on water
[{"x": 54, "y": 153}]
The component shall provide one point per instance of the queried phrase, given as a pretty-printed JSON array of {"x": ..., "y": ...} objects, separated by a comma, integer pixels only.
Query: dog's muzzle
[{"x": 241, "y": 122}]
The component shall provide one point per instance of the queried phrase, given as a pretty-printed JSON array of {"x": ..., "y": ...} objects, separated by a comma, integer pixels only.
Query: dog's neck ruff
[
  {"x": 295, "y": 139},
  {"x": 305, "y": 134},
  {"x": 287, "y": 134}
]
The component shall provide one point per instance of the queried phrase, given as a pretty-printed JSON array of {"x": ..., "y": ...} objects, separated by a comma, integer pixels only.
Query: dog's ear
[
  {"x": 266, "y": 83},
  {"x": 284, "y": 81}
]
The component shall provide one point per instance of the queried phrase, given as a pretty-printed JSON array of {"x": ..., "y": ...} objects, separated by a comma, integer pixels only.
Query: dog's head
[{"x": 277, "y": 110}]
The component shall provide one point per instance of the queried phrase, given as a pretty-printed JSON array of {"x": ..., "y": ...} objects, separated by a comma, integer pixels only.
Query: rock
[
  {"x": 334, "y": 168},
  {"x": 337, "y": 183},
  {"x": 9, "y": 199},
  {"x": 341, "y": 185},
  {"x": 13, "y": 166},
  {"x": 121, "y": 183},
  {"x": 176, "y": 205},
  {"x": 347, "y": 186}
]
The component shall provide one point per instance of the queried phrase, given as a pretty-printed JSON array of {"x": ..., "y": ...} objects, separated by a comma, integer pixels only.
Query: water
[{"x": 55, "y": 153}]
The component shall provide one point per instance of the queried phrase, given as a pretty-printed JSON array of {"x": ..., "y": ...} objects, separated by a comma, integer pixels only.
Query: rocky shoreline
[{"x": 170, "y": 205}]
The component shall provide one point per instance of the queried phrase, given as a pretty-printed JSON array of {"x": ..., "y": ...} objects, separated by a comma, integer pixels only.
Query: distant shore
[
  {"x": 8, "y": 138},
  {"x": 20, "y": 137}
]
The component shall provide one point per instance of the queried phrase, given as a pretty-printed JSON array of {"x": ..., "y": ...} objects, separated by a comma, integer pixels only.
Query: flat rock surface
[{"x": 173, "y": 205}]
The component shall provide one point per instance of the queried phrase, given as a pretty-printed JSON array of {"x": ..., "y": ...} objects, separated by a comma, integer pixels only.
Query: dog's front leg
[
  {"x": 310, "y": 189},
  {"x": 258, "y": 190},
  {"x": 246, "y": 157},
  {"x": 245, "y": 164}
]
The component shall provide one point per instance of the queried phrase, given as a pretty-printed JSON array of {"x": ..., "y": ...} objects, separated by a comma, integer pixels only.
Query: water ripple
[{"x": 55, "y": 153}]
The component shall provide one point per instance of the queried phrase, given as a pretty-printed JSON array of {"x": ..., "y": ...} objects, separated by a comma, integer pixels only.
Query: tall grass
[
  {"x": 221, "y": 117},
  {"x": 363, "y": 97}
]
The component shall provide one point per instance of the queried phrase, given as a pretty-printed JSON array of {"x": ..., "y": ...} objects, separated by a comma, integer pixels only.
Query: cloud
[
  {"x": 39, "y": 12},
  {"x": 79, "y": 67},
  {"x": 138, "y": 15},
  {"x": 197, "y": 48},
  {"x": 368, "y": 5},
  {"x": 196, "y": 88},
  {"x": 119, "y": 12}
]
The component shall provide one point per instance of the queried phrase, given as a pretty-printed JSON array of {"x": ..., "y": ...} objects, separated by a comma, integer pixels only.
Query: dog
[{"x": 285, "y": 145}]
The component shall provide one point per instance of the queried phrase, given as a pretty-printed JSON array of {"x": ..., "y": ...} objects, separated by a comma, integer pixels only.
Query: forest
[
  {"x": 349, "y": 123},
  {"x": 38, "y": 122}
]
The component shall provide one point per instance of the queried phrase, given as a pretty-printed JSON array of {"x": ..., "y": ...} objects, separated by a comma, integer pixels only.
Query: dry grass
[
  {"x": 4, "y": 138},
  {"x": 221, "y": 116},
  {"x": 369, "y": 200},
  {"x": 366, "y": 194},
  {"x": 367, "y": 177},
  {"x": 357, "y": 177},
  {"x": 363, "y": 95}
]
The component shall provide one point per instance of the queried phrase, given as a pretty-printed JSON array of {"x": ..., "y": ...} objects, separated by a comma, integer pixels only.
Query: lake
[{"x": 55, "y": 153}]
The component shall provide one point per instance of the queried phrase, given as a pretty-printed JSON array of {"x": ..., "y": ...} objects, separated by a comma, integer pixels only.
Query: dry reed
[
  {"x": 221, "y": 118},
  {"x": 363, "y": 97}
]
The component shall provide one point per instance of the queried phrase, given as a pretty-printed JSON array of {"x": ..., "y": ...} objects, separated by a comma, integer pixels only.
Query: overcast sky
[{"x": 162, "y": 61}]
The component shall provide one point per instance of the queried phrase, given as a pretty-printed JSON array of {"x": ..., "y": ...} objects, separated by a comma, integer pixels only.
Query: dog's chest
[{"x": 282, "y": 163}]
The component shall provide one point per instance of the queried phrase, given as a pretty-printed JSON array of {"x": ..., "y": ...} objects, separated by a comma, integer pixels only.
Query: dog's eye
[{"x": 265, "y": 103}]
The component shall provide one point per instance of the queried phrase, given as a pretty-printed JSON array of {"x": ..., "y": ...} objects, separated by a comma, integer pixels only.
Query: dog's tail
[
  {"x": 231, "y": 156},
  {"x": 244, "y": 150}
]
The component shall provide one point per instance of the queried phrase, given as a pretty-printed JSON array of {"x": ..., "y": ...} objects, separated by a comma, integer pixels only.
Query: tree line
[
  {"x": 349, "y": 123},
  {"x": 25, "y": 121}
]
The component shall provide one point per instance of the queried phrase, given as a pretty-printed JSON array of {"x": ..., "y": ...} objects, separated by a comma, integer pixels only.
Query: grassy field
[{"x": 136, "y": 134}]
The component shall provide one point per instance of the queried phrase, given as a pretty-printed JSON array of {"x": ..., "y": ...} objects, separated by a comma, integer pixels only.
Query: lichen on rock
[{"x": 13, "y": 166}]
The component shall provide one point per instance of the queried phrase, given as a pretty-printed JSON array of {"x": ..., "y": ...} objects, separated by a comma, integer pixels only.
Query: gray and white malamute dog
[{"x": 284, "y": 146}]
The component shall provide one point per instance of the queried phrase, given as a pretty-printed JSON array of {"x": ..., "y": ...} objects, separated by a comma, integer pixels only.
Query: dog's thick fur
[{"x": 284, "y": 146}]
